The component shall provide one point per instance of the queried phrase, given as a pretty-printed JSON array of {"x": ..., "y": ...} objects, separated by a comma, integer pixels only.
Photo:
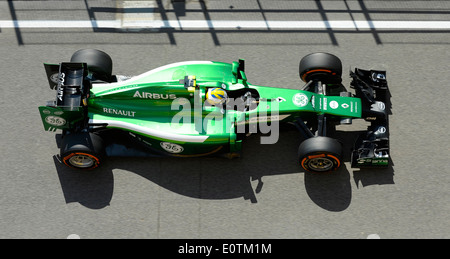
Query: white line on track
[{"x": 212, "y": 24}]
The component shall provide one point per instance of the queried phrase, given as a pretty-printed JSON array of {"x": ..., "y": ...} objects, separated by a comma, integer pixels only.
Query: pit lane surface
[{"x": 262, "y": 195}]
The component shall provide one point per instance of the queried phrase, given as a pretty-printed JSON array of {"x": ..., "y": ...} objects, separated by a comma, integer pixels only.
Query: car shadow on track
[{"x": 217, "y": 178}]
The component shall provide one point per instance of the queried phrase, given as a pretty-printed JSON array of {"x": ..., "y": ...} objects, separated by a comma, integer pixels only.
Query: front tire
[
  {"x": 82, "y": 150},
  {"x": 320, "y": 154},
  {"x": 321, "y": 66}
]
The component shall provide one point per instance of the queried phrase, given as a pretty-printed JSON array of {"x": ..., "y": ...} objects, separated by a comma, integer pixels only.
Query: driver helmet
[{"x": 216, "y": 96}]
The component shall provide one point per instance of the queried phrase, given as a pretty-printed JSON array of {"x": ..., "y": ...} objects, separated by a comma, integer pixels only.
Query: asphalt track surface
[{"x": 264, "y": 194}]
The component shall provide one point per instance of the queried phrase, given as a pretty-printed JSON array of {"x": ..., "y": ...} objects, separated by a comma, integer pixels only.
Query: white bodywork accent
[
  {"x": 146, "y": 74},
  {"x": 151, "y": 132}
]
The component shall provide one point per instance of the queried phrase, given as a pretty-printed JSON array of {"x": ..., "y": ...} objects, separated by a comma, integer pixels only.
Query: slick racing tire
[
  {"x": 98, "y": 62},
  {"x": 82, "y": 150},
  {"x": 321, "y": 66},
  {"x": 320, "y": 154}
]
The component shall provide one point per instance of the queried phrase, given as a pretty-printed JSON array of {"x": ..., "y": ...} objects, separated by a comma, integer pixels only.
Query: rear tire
[
  {"x": 321, "y": 66},
  {"x": 82, "y": 150},
  {"x": 98, "y": 62},
  {"x": 320, "y": 154}
]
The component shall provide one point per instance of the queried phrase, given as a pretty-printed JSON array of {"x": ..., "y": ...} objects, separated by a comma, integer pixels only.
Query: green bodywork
[{"x": 161, "y": 111}]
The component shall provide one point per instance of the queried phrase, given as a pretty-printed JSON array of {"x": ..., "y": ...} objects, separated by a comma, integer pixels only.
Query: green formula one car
[{"x": 200, "y": 108}]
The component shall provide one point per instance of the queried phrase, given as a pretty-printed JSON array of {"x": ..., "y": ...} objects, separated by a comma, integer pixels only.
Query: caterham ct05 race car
[{"x": 200, "y": 108}]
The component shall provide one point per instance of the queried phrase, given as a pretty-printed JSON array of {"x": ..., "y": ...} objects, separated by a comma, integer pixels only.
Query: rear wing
[
  {"x": 52, "y": 71},
  {"x": 72, "y": 88}
]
